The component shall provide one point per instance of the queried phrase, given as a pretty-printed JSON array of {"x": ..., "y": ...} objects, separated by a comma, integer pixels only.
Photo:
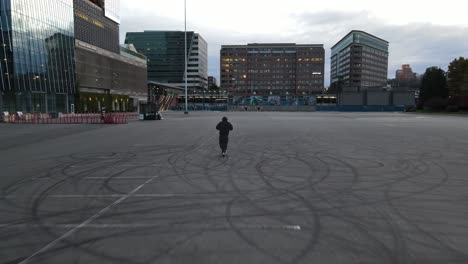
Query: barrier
[
  {"x": 44, "y": 119},
  {"x": 361, "y": 108}
]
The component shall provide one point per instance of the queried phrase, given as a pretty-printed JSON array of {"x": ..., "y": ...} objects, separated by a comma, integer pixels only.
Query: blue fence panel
[{"x": 361, "y": 108}]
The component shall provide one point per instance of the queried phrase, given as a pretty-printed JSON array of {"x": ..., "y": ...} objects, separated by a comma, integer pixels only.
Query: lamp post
[
  {"x": 230, "y": 85},
  {"x": 185, "y": 52},
  {"x": 314, "y": 74},
  {"x": 203, "y": 94}
]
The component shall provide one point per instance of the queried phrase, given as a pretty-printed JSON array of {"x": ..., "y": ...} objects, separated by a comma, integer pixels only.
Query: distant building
[
  {"x": 166, "y": 57},
  {"x": 405, "y": 74},
  {"x": 64, "y": 56},
  {"x": 359, "y": 62},
  {"x": 212, "y": 81},
  {"x": 272, "y": 69}
]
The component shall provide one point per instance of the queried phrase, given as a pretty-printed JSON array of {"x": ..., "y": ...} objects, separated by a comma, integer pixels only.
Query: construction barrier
[{"x": 111, "y": 118}]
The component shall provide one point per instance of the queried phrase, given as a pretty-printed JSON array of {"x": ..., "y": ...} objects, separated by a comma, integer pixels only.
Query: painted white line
[
  {"x": 105, "y": 195},
  {"x": 390, "y": 125},
  {"x": 286, "y": 227},
  {"x": 100, "y": 178},
  {"x": 131, "y": 226},
  {"x": 96, "y": 226},
  {"x": 85, "y": 223},
  {"x": 97, "y": 178},
  {"x": 116, "y": 178},
  {"x": 117, "y": 165},
  {"x": 92, "y": 195}
]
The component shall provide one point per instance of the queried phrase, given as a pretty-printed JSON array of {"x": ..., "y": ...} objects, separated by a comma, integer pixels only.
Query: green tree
[
  {"x": 433, "y": 91},
  {"x": 458, "y": 77}
]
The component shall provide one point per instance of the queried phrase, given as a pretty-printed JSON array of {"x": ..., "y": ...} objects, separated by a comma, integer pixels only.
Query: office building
[
  {"x": 108, "y": 75},
  {"x": 64, "y": 56},
  {"x": 37, "y": 55},
  {"x": 166, "y": 57},
  {"x": 359, "y": 62},
  {"x": 115, "y": 81},
  {"x": 272, "y": 69}
]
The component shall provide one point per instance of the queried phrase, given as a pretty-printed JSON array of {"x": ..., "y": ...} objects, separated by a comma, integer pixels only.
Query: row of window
[
  {"x": 375, "y": 51},
  {"x": 376, "y": 58},
  {"x": 375, "y": 63},
  {"x": 318, "y": 59}
]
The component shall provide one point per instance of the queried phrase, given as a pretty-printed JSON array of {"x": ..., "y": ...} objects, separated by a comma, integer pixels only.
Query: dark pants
[{"x": 223, "y": 142}]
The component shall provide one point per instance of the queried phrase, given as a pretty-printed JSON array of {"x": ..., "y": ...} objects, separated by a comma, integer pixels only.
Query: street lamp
[
  {"x": 185, "y": 52},
  {"x": 314, "y": 74},
  {"x": 227, "y": 97}
]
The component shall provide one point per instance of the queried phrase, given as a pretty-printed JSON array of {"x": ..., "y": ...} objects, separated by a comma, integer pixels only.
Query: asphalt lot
[{"x": 294, "y": 188}]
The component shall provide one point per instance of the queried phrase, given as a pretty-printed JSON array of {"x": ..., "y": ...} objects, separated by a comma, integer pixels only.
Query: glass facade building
[
  {"x": 37, "y": 55},
  {"x": 166, "y": 57},
  {"x": 359, "y": 61}
]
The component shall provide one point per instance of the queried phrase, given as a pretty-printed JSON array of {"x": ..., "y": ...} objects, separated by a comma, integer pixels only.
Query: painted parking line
[
  {"x": 91, "y": 196},
  {"x": 152, "y": 225},
  {"x": 87, "y": 222}
]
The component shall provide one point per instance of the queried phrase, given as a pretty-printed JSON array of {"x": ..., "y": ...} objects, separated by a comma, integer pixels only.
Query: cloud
[
  {"x": 420, "y": 44},
  {"x": 132, "y": 22}
]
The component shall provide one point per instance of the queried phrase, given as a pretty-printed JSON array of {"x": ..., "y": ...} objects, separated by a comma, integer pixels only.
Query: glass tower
[
  {"x": 359, "y": 62},
  {"x": 37, "y": 55},
  {"x": 166, "y": 57}
]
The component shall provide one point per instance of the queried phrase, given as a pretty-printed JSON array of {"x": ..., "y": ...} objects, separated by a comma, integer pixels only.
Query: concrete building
[
  {"x": 166, "y": 57},
  {"x": 107, "y": 74},
  {"x": 64, "y": 56},
  {"x": 359, "y": 62},
  {"x": 282, "y": 69},
  {"x": 92, "y": 26}
]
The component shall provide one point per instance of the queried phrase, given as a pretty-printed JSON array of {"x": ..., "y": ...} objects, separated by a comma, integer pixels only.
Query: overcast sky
[{"x": 423, "y": 34}]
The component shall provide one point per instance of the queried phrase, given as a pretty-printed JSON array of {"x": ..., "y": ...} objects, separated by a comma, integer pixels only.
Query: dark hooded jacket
[{"x": 224, "y": 127}]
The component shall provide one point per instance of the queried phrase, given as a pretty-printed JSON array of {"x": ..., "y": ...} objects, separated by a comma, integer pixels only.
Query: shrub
[{"x": 436, "y": 103}]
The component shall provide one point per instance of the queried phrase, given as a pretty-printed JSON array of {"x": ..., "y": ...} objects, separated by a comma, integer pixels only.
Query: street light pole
[
  {"x": 310, "y": 86},
  {"x": 185, "y": 52}
]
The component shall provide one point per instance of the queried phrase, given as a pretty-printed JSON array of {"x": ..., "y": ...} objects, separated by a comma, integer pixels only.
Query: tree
[
  {"x": 458, "y": 77},
  {"x": 433, "y": 89}
]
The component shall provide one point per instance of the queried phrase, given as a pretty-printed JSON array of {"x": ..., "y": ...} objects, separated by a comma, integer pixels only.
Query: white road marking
[
  {"x": 131, "y": 226},
  {"x": 105, "y": 195},
  {"x": 117, "y": 178},
  {"x": 118, "y": 165},
  {"x": 87, "y": 222},
  {"x": 92, "y": 195},
  {"x": 100, "y": 178}
]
